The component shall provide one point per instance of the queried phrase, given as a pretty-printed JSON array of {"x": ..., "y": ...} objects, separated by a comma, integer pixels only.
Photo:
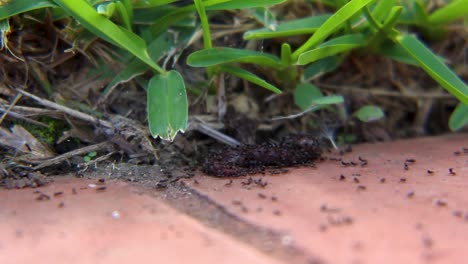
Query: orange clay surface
[{"x": 374, "y": 212}]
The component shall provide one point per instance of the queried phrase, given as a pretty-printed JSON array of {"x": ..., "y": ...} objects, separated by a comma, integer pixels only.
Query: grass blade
[
  {"x": 332, "y": 47},
  {"x": 459, "y": 117},
  {"x": 246, "y": 75},
  {"x": 452, "y": 11},
  {"x": 241, "y": 4},
  {"x": 434, "y": 66},
  {"x": 291, "y": 28},
  {"x": 217, "y": 56},
  {"x": 332, "y": 24},
  {"x": 20, "y": 6},
  {"x": 83, "y": 12}
]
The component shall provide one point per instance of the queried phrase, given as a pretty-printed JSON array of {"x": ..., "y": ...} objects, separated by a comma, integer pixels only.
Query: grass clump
[{"x": 149, "y": 37}]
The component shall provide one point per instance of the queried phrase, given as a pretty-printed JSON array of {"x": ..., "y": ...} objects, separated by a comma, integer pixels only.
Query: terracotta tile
[
  {"x": 410, "y": 217},
  {"x": 120, "y": 224}
]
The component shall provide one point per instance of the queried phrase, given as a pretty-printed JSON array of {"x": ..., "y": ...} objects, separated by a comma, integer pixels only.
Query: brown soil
[{"x": 413, "y": 103}]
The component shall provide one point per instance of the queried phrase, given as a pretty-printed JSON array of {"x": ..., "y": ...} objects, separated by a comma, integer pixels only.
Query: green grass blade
[
  {"x": 246, "y": 75},
  {"x": 151, "y": 3},
  {"x": 459, "y": 117},
  {"x": 167, "y": 105},
  {"x": 15, "y": 7},
  {"x": 217, "y": 56},
  {"x": 241, "y": 4},
  {"x": 125, "y": 12},
  {"x": 452, "y": 11},
  {"x": 291, "y": 28},
  {"x": 83, "y": 12},
  {"x": 133, "y": 69},
  {"x": 332, "y": 47},
  {"x": 332, "y": 24},
  {"x": 380, "y": 11},
  {"x": 286, "y": 54},
  {"x": 160, "y": 47},
  {"x": 205, "y": 24},
  {"x": 434, "y": 66}
]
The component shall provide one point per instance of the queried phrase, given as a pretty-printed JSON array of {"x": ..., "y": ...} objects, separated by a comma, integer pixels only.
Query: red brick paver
[
  {"x": 118, "y": 225},
  {"x": 379, "y": 211}
]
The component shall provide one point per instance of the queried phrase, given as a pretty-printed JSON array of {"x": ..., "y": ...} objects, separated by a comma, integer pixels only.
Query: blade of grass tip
[
  {"x": 434, "y": 66},
  {"x": 238, "y": 4},
  {"x": 332, "y": 24},
  {"x": 450, "y": 12},
  {"x": 15, "y": 7},
  {"x": 459, "y": 117},
  {"x": 204, "y": 22},
  {"x": 83, "y": 12},
  {"x": 125, "y": 12},
  {"x": 246, "y": 75}
]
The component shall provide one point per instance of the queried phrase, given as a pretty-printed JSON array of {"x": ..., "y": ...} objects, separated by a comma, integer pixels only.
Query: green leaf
[
  {"x": 14, "y": 7},
  {"x": 132, "y": 70},
  {"x": 459, "y": 117},
  {"x": 332, "y": 24},
  {"x": 332, "y": 47},
  {"x": 328, "y": 100},
  {"x": 434, "y": 66},
  {"x": 83, "y": 12},
  {"x": 369, "y": 113},
  {"x": 323, "y": 101},
  {"x": 452, "y": 11},
  {"x": 217, "y": 56},
  {"x": 161, "y": 46},
  {"x": 305, "y": 94},
  {"x": 167, "y": 105},
  {"x": 320, "y": 67},
  {"x": 291, "y": 28},
  {"x": 246, "y": 75}
]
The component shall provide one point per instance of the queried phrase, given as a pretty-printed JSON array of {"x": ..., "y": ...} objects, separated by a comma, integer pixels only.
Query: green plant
[
  {"x": 140, "y": 30},
  {"x": 91, "y": 155},
  {"x": 357, "y": 24},
  {"x": 49, "y": 134}
]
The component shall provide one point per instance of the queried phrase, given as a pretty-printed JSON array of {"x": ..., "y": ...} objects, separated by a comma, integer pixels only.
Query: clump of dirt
[{"x": 249, "y": 159}]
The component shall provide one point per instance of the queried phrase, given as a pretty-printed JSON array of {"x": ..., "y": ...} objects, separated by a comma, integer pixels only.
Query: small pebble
[{"x": 115, "y": 214}]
